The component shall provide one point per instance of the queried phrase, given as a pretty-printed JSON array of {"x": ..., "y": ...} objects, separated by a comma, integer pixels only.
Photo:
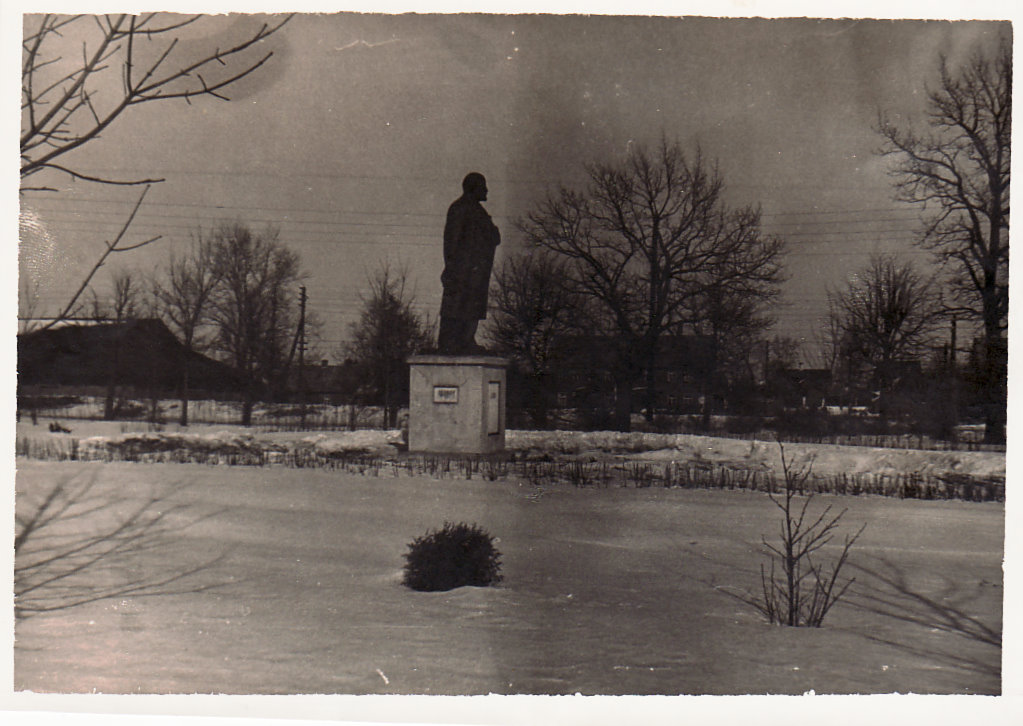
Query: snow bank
[
  {"x": 733, "y": 453},
  {"x": 232, "y": 442},
  {"x": 578, "y": 442},
  {"x": 824, "y": 458},
  {"x": 355, "y": 441}
]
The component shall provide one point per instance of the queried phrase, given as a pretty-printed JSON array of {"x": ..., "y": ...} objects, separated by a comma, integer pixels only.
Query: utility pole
[{"x": 301, "y": 354}]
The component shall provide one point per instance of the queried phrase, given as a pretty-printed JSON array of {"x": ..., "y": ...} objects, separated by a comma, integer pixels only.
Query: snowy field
[{"x": 279, "y": 580}]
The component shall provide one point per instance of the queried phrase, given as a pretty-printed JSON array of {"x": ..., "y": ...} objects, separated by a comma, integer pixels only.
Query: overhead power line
[
  {"x": 579, "y": 178},
  {"x": 40, "y": 197},
  {"x": 403, "y": 220},
  {"x": 95, "y": 221}
]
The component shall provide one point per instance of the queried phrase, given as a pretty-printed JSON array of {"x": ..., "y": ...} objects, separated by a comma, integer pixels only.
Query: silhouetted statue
[{"x": 470, "y": 238}]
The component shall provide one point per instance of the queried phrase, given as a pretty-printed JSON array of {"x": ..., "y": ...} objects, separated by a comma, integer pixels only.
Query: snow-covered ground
[
  {"x": 280, "y": 580},
  {"x": 285, "y": 580},
  {"x": 96, "y": 437}
]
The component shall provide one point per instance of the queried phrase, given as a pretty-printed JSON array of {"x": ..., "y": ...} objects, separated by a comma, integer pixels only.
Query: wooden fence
[{"x": 670, "y": 475}]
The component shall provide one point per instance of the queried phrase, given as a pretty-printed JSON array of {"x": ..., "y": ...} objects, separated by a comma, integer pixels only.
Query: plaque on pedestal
[{"x": 457, "y": 404}]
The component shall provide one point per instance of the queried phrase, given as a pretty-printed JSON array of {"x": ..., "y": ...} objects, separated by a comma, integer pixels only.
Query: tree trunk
[
  {"x": 994, "y": 425},
  {"x": 884, "y": 387},
  {"x": 184, "y": 397},
  {"x": 108, "y": 404},
  {"x": 994, "y": 383},
  {"x": 247, "y": 406},
  {"x": 996, "y": 352},
  {"x": 538, "y": 404},
  {"x": 388, "y": 405},
  {"x": 623, "y": 403},
  {"x": 710, "y": 385},
  {"x": 650, "y": 394}
]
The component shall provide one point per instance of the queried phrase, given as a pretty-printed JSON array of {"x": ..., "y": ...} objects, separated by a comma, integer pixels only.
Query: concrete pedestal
[{"x": 457, "y": 404}]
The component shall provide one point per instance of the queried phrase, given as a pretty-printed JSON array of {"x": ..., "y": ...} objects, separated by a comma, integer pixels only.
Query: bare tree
[
  {"x": 827, "y": 338},
  {"x": 733, "y": 317},
  {"x": 126, "y": 301},
  {"x": 886, "y": 314},
  {"x": 82, "y": 73},
  {"x": 183, "y": 299},
  {"x": 959, "y": 172},
  {"x": 643, "y": 242},
  {"x": 785, "y": 352},
  {"x": 534, "y": 320},
  {"x": 388, "y": 331},
  {"x": 254, "y": 307},
  {"x": 121, "y": 306}
]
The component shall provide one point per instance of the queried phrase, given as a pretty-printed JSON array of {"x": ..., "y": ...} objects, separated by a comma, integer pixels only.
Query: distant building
[
  {"x": 862, "y": 383},
  {"x": 802, "y": 387},
  {"x": 324, "y": 383},
  {"x": 141, "y": 354},
  {"x": 683, "y": 372}
]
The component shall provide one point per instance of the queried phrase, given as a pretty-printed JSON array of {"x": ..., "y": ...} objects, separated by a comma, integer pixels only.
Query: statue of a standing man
[{"x": 470, "y": 237}]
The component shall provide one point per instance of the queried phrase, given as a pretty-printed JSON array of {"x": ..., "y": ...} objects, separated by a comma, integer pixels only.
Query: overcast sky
[{"x": 356, "y": 135}]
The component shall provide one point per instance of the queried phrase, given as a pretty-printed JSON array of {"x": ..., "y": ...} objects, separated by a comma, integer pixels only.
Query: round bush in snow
[{"x": 453, "y": 556}]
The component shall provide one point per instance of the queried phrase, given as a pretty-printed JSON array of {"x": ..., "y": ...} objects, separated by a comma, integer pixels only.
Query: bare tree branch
[
  {"x": 53, "y": 122},
  {"x": 101, "y": 180},
  {"x": 111, "y": 248}
]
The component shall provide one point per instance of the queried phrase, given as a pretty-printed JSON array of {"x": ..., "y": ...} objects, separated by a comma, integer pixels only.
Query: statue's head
[{"x": 474, "y": 186}]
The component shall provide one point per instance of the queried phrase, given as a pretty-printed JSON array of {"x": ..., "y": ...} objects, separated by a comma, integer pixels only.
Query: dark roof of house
[{"x": 142, "y": 353}]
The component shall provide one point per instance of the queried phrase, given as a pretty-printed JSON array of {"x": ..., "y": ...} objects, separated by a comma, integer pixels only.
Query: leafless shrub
[{"x": 805, "y": 589}]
